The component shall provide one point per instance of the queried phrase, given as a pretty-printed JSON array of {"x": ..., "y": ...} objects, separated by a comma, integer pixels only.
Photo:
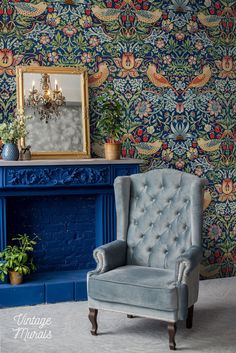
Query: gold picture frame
[{"x": 21, "y": 72}]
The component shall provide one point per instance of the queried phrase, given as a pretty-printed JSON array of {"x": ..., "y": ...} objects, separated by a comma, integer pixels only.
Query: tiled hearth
[{"x": 70, "y": 206}]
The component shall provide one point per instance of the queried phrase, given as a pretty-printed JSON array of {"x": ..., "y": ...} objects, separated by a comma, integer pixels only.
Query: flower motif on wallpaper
[
  {"x": 53, "y": 57},
  {"x": 143, "y": 109},
  {"x": 69, "y": 30},
  {"x": 8, "y": 61},
  {"x": 214, "y": 232},
  {"x": 128, "y": 65},
  {"x": 86, "y": 57},
  {"x": 53, "y": 20},
  {"x": 214, "y": 108},
  {"x": 227, "y": 67},
  {"x": 86, "y": 21},
  {"x": 44, "y": 39},
  {"x": 192, "y": 153},
  {"x": 226, "y": 190},
  {"x": 167, "y": 155},
  {"x": 167, "y": 25},
  {"x": 94, "y": 41}
]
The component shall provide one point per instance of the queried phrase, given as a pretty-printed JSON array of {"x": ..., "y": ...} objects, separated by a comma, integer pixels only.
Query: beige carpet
[{"x": 65, "y": 328}]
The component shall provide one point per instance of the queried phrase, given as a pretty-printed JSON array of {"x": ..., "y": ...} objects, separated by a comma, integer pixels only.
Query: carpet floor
[{"x": 64, "y": 327}]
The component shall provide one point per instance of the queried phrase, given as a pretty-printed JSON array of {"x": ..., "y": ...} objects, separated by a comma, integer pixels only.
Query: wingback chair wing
[{"x": 152, "y": 269}]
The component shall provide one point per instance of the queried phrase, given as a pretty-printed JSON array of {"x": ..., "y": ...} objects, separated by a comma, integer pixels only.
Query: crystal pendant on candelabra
[{"x": 47, "y": 103}]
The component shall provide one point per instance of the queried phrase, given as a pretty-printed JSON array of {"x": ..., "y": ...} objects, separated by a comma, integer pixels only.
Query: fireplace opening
[{"x": 65, "y": 225}]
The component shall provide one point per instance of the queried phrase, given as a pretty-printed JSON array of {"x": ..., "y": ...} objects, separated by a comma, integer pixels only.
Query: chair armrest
[
  {"x": 110, "y": 256},
  {"x": 187, "y": 262}
]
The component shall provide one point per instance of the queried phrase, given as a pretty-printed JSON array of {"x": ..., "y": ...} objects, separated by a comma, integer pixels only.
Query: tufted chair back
[{"x": 159, "y": 214}]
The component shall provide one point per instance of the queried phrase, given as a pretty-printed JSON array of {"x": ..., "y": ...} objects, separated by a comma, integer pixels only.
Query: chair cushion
[{"x": 136, "y": 285}]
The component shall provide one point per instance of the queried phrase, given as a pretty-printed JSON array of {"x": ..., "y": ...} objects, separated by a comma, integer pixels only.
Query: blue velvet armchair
[{"x": 152, "y": 269}]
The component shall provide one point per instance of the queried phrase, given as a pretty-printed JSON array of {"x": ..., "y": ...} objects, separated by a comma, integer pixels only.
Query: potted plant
[
  {"x": 10, "y": 132},
  {"x": 16, "y": 259},
  {"x": 109, "y": 124}
]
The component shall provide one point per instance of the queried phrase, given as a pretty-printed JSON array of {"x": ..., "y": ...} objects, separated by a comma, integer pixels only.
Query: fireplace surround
[{"x": 70, "y": 205}]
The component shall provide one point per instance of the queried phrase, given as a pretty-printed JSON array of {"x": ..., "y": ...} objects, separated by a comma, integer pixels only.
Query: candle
[
  {"x": 33, "y": 84},
  {"x": 56, "y": 85}
]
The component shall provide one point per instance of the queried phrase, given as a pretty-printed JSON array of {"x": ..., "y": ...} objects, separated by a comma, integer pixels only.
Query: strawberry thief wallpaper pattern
[{"x": 172, "y": 65}]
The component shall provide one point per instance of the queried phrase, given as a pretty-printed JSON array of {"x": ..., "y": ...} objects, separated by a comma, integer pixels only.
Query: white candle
[{"x": 56, "y": 85}]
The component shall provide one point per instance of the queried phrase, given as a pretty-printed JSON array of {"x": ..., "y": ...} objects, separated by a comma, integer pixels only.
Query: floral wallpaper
[{"x": 172, "y": 65}]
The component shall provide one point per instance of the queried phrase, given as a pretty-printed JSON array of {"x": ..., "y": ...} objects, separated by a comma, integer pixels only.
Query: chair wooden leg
[
  {"x": 172, "y": 331},
  {"x": 130, "y": 316},
  {"x": 189, "y": 320},
  {"x": 93, "y": 313}
]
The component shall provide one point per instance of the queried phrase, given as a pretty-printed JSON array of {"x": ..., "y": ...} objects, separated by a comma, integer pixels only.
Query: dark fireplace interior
[{"x": 64, "y": 224}]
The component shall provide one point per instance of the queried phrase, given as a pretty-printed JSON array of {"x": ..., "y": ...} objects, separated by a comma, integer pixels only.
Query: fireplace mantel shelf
[
  {"x": 77, "y": 162},
  {"x": 90, "y": 179}
]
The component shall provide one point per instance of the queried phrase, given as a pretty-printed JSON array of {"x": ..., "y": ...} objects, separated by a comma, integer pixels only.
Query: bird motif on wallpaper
[
  {"x": 98, "y": 78},
  {"x": 148, "y": 148},
  {"x": 104, "y": 14},
  {"x": 209, "y": 20},
  {"x": 200, "y": 80},
  {"x": 157, "y": 79},
  {"x": 206, "y": 199},
  {"x": 109, "y": 14},
  {"x": 208, "y": 145},
  {"x": 149, "y": 16},
  {"x": 30, "y": 10}
]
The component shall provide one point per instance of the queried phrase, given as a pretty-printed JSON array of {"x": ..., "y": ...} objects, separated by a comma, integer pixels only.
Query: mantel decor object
[
  {"x": 109, "y": 124},
  {"x": 10, "y": 152},
  {"x": 10, "y": 132},
  {"x": 57, "y": 100}
]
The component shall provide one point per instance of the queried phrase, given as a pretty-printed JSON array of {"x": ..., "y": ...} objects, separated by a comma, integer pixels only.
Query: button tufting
[
  {"x": 149, "y": 249},
  {"x": 158, "y": 237},
  {"x": 151, "y": 225},
  {"x": 160, "y": 212},
  {"x": 141, "y": 235}
]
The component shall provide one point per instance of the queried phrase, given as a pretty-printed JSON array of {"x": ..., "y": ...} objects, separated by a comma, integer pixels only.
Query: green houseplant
[
  {"x": 109, "y": 124},
  {"x": 10, "y": 132},
  {"x": 16, "y": 259}
]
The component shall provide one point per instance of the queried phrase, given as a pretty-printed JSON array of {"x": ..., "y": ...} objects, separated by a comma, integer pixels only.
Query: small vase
[
  {"x": 10, "y": 152},
  {"x": 15, "y": 277}
]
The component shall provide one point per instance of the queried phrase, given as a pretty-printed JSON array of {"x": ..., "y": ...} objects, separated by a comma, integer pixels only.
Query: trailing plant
[
  {"x": 17, "y": 257},
  {"x": 110, "y": 120}
]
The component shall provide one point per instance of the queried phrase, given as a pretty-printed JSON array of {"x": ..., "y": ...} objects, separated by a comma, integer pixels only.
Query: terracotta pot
[
  {"x": 15, "y": 277},
  {"x": 112, "y": 150}
]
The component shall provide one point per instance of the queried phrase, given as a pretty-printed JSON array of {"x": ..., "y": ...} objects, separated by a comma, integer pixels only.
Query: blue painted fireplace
[{"x": 69, "y": 204}]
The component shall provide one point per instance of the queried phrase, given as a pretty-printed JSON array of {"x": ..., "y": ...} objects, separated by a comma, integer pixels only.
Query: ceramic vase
[{"x": 10, "y": 152}]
